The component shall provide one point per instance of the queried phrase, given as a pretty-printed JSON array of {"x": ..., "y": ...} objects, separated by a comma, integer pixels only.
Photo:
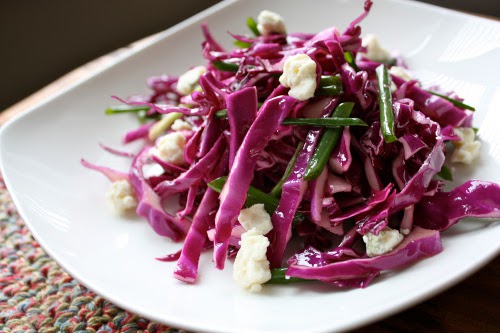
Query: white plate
[{"x": 63, "y": 203}]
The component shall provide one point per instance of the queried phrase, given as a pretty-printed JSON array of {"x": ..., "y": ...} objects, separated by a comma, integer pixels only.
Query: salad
[{"x": 325, "y": 139}]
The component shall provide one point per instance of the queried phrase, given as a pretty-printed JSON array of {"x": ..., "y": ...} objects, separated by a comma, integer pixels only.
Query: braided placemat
[{"x": 36, "y": 295}]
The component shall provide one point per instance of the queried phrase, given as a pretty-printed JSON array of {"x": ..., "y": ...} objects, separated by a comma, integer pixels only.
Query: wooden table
[{"x": 471, "y": 306}]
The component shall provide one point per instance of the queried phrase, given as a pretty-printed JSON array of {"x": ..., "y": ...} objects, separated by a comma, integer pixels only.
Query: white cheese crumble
[
  {"x": 121, "y": 196},
  {"x": 375, "y": 51},
  {"x": 170, "y": 148},
  {"x": 384, "y": 242},
  {"x": 188, "y": 81},
  {"x": 299, "y": 74},
  {"x": 152, "y": 170},
  {"x": 467, "y": 149},
  {"x": 181, "y": 125},
  {"x": 394, "y": 88},
  {"x": 269, "y": 22},
  {"x": 256, "y": 217},
  {"x": 405, "y": 231},
  {"x": 162, "y": 125},
  {"x": 251, "y": 267},
  {"x": 400, "y": 72}
]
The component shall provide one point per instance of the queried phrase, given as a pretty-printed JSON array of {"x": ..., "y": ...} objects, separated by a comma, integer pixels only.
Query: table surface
[{"x": 470, "y": 306}]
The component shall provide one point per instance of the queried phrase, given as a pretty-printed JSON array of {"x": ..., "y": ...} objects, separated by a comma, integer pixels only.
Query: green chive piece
[
  {"x": 390, "y": 62},
  {"x": 140, "y": 111},
  {"x": 241, "y": 44},
  {"x": 144, "y": 117},
  {"x": 221, "y": 114},
  {"x": 385, "y": 104},
  {"x": 445, "y": 173},
  {"x": 225, "y": 66},
  {"x": 217, "y": 184},
  {"x": 276, "y": 191},
  {"x": 326, "y": 122},
  {"x": 162, "y": 125},
  {"x": 141, "y": 115},
  {"x": 330, "y": 80},
  {"x": 453, "y": 101},
  {"x": 329, "y": 91},
  {"x": 125, "y": 109},
  {"x": 278, "y": 276},
  {"x": 255, "y": 196},
  {"x": 349, "y": 57},
  {"x": 322, "y": 122},
  {"x": 252, "y": 25},
  {"x": 327, "y": 143},
  {"x": 330, "y": 85}
]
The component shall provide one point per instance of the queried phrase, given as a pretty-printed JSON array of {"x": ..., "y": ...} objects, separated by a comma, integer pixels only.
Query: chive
[
  {"x": 349, "y": 57},
  {"x": 162, "y": 125},
  {"x": 445, "y": 173},
  {"x": 241, "y": 44},
  {"x": 330, "y": 80},
  {"x": 143, "y": 116},
  {"x": 453, "y": 101},
  {"x": 140, "y": 111},
  {"x": 217, "y": 184},
  {"x": 221, "y": 113},
  {"x": 276, "y": 191},
  {"x": 385, "y": 104},
  {"x": 330, "y": 85},
  {"x": 278, "y": 276},
  {"x": 390, "y": 62},
  {"x": 327, "y": 143},
  {"x": 225, "y": 66},
  {"x": 323, "y": 122},
  {"x": 254, "y": 196},
  {"x": 252, "y": 25},
  {"x": 326, "y": 122},
  {"x": 125, "y": 109},
  {"x": 329, "y": 91}
]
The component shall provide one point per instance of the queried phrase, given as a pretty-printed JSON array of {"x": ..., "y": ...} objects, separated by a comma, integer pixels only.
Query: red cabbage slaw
[{"x": 343, "y": 190}]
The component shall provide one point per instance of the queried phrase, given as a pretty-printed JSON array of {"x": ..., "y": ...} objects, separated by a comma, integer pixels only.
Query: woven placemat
[{"x": 36, "y": 295}]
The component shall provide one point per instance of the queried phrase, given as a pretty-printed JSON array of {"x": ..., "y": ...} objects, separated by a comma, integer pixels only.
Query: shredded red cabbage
[{"x": 367, "y": 185}]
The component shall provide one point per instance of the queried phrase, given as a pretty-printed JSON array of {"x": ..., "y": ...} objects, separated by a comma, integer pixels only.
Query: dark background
[{"x": 42, "y": 40}]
